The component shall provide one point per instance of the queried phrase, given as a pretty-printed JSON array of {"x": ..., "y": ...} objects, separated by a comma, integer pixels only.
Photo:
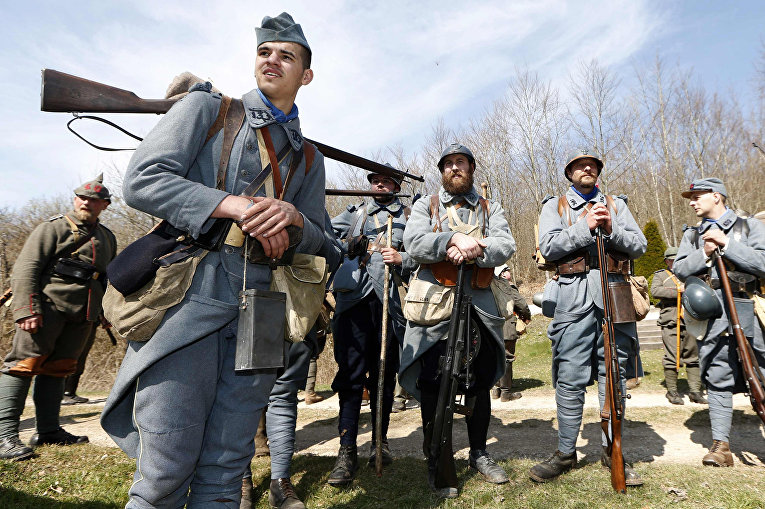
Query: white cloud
[{"x": 385, "y": 71}]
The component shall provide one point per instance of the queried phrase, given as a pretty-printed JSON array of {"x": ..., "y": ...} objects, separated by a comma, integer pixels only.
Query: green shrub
[{"x": 653, "y": 259}]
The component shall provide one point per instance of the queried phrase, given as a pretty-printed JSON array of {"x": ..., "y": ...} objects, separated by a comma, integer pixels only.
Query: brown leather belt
[
  {"x": 582, "y": 264},
  {"x": 735, "y": 286}
]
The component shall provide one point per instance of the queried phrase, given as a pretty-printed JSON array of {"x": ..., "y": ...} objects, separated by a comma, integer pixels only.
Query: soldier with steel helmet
[
  {"x": 741, "y": 243},
  {"x": 58, "y": 281},
  {"x": 566, "y": 238},
  {"x": 357, "y": 324},
  {"x": 446, "y": 229},
  {"x": 665, "y": 286}
]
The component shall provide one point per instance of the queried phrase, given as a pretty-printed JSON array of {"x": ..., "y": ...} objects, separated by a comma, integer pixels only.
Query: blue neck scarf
[
  {"x": 589, "y": 196},
  {"x": 276, "y": 112},
  {"x": 714, "y": 221}
]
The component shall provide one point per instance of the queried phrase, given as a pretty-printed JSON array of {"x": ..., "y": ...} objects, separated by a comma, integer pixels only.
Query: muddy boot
[
  {"x": 345, "y": 467},
  {"x": 632, "y": 383},
  {"x": 261, "y": 440},
  {"x": 552, "y": 467},
  {"x": 670, "y": 379},
  {"x": 488, "y": 468},
  {"x": 694, "y": 384},
  {"x": 719, "y": 455},
  {"x": 247, "y": 487},
  {"x": 631, "y": 477},
  {"x": 387, "y": 458}
]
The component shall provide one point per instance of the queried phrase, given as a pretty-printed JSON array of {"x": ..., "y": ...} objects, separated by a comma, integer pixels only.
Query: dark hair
[{"x": 305, "y": 57}]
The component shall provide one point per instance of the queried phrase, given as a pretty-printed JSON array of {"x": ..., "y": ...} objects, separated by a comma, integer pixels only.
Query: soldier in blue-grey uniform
[
  {"x": 176, "y": 404},
  {"x": 566, "y": 237},
  {"x": 741, "y": 242},
  {"x": 445, "y": 230},
  {"x": 357, "y": 324}
]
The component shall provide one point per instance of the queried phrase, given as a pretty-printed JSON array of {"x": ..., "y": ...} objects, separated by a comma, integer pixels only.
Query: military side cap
[
  {"x": 713, "y": 185},
  {"x": 455, "y": 148},
  {"x": 582, "y": 154},
  {"x": 94, "y": 189},
  {"x": 281, "y": 28},
  {"x": 397, "y": 179},
  {"x": 670, "y": 252}
]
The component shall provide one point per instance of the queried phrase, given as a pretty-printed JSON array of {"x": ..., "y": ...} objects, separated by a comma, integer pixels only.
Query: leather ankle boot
[
  {"x": 281, "y": 495},
  {"x": 247, "y": 487},
  {"x": 719, "y": 455},
  {"x": 553, "y": 466},
  {"x": 345, "y": 467}
]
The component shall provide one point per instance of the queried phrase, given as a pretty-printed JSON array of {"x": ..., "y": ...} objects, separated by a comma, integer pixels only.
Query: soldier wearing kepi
[
  {"x": 666, "y": 287},
  {"x": 457, "y": 225},
  {"x": 741, "y": 243},
  {"x": 503, "y": 389},
  {"x": 566, "y": 237},
  {"x": 177, "y": 404},
  {"x": 357, "y": 325},
  {"x": 57, "y": 283}
]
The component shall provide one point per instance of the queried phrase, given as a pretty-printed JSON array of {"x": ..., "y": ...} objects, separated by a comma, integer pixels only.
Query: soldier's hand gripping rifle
[
  {"x": 752, "y": 374},
  {"x": 63, "y": 92},
  {"x": 612, "y": 413},
  {"x": 451, "y": 366}
]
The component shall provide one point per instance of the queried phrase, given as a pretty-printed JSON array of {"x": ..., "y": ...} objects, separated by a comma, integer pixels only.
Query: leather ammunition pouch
[
  {"x": 580, "y": 263},
  {"x": 446, "y": 273},
  {"x": 75, "y": 269},
  {"x": 740, "y": 282},
  {"x": 255, "y": 253},
  {"x": 357, "y": 246}
]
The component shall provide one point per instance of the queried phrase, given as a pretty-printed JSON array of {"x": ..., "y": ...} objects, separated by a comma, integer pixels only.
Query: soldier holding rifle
[
  {"x": 177, "y": 404},
  {"x": 358, "y": 322},
  {"x": 58, "y": 281},
  {"x": 741, "y": 244},
  {"x": 679, "y": 346},
  {"x": 455, "y": 227},
  {"x": 566, "y": 237}
]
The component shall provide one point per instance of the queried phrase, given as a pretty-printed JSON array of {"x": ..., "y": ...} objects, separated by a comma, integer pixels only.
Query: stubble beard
[
  {"x": 86, "y": 216},
  {"x": 457, "y": 184}
]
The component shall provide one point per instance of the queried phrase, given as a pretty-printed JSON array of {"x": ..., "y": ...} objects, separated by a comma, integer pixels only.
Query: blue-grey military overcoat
[
  {"x": 172, "y": 175},
  {"x": 578, "y": 294},
  {"x": 718, "y": 357},
  {"x": 352, "y": 283},
  {"x": 426, "y": 246}
]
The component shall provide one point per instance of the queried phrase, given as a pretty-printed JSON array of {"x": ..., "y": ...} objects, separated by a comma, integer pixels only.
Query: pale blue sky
[{"x": 385, "y": 71}]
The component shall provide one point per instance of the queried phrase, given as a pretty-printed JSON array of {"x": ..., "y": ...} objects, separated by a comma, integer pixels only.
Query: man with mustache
[
  {"x": 58, "y": 281},
  {"x": 445, "y": 230},
  {"x": 357, "y": 324},
  {"x": 177, "y": 404},
  {"x": 741, "y": 243},
  {"x": 566, "y": 237}
]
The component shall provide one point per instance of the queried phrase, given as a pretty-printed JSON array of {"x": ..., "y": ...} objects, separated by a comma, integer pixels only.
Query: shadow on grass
[
  {"x": 10, "y": 497},
  {"x": 746, "y": 435},
  {"x": 520, "y": 384},
  {"x": 639, "y": 442}
]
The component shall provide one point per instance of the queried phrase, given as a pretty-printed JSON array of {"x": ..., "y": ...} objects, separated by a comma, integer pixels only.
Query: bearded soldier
[
  {"x": 666, "y": 287},
  {"x": 566, "y": 237},
  {"x": 741, "y": 243},
  {"x": 357, "y": 325},
  {"x": 57, "y": 282},
  {"x": 445, "y": 230}
]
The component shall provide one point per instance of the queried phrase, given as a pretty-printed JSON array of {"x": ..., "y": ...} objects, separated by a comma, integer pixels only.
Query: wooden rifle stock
[
  {"x": 451, "y": 363},
  {"x": 612, "y": 413},
  {"x": 5, "y": 297},
  {"x": 752, "y": 374},
  {"x": 63, "y": 92},
  {"x": 355, "y": 192}
]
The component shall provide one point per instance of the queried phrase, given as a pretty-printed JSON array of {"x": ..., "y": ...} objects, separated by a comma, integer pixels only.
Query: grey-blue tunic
[
  {"x": 578, "y": 294},
  {"x": 718, "y": 357},
  {"x": 351, "y": 283},
  {"x": 172, "y": 175},
  {"x": 426, "y": 246}
]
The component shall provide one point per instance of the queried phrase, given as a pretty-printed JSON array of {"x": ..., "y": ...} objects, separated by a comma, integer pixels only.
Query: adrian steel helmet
[
  {"x": 700, "y": 301},
  {"x": 582, "y": 154},
  {"x": 455, "y": 148},
  {"x": 395, "y": 178}
]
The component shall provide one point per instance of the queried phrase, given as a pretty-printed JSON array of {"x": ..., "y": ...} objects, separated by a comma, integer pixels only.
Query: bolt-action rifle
[
  {"x": 612, "y": 413},
  {"x": 451, "y": 378},
  {"x": 752, "y": 374},
  {"x": 63, "y": 92}
]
